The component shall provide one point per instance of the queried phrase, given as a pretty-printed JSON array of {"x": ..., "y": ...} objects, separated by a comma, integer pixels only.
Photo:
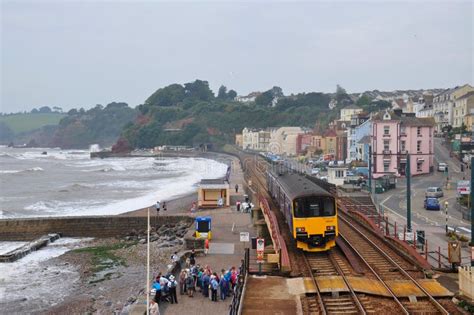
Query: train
[{"x": 309, "y": 210}]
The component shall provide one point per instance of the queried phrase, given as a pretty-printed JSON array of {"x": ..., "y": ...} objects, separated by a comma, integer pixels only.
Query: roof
[
  {"x": 330, "y": 133},
  {"x": 469, "y": 94},
  {"x": 365, "y": 140},
  {"x": 400, "y": 102},
  {"x": 296, "y": 185},
  {"x": 213, "y": 183},
  {"x": 407, "y": 119}
]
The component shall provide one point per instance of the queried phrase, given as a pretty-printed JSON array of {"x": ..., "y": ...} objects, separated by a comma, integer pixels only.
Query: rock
[
  {"x": 153, "y": 238},
  {"x": 132, "y": 299},
  {"x": 108, "y": 303},
  {"x": 142, "y": 241}
]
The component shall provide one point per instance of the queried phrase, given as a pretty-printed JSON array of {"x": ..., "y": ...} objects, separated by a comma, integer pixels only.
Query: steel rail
[
  {"x": 394, "y": 263},
  {"x": 318, "y": 291},
  {"x": 346, "y": 281}
]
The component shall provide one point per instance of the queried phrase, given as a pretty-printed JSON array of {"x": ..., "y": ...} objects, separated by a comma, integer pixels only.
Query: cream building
[
  {"x": 283, "y": 140},
  {"x": 348, "y": 111},
  {"x": 257, "y": 140},
  {"x": 443, "y": 105},
  {"x": 462, "y": 107}
]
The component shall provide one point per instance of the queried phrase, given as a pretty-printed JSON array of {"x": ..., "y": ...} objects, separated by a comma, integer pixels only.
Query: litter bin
[{"x": 254, "y": 243}]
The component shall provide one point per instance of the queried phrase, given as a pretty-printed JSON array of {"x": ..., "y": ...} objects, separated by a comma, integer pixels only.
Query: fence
[
  {"x": 239, "y": 289},
  {"x": 466, "y": 281}
]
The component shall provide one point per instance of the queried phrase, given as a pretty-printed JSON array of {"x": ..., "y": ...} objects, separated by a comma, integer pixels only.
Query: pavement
[
  {"x": 393, "y": 204},
  {"x": 225, "y": 250}
]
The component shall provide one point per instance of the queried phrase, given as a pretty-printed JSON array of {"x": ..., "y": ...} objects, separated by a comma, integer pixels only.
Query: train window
[{"x": 314, "y": 207}]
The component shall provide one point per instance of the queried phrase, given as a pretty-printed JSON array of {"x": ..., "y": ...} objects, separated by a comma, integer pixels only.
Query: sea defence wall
[{"x": 92, "y": 226}]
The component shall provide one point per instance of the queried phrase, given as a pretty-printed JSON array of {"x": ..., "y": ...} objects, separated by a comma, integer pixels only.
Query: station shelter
[{"x": 211, "y": 190}]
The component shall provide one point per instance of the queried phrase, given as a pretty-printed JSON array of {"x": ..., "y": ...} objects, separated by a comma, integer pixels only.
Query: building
[
  {"x": 283, "y": 140},
  {"x": 363, "y": 148},
  {"x": 303, "y": 142},
  {"x": 330, "y": 142},
  {"x": 247, "y": 99},
  {"x": 337, "y": 173},
  {"x": 211, "y": 190},
  {"x": 469, "y": 121},
  {"x": 462, "y": 107},
  {"x": 239, "y": 140},
  {"x": 443, "y": 105},
  {"x": 348, "y": 111},
  {"x": 359, "y": 132},
  {"x": 356, "y": 120},
  {"x": 399, "y": 103},
  {"x": 257, "y": 140},
  {"x": 396, "y": 134}
]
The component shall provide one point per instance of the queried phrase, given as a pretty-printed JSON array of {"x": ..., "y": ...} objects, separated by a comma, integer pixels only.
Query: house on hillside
[
  {"x": 348, "y": 111},
  {"x": 248, "y": 98}
]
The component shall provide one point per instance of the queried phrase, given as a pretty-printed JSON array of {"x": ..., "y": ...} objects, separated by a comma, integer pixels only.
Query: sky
[{"x": 78, "y": 54}]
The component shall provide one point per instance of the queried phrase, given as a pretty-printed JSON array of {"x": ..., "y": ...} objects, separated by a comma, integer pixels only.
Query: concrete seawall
[{"x": 92, "y": 226}]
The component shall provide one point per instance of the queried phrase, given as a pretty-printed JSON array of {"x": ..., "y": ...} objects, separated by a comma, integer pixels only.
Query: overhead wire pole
[
  {"x": 148, "y": 263},
  {"x": 408, "y": 175},
  {"x": 472, "y": 210}
]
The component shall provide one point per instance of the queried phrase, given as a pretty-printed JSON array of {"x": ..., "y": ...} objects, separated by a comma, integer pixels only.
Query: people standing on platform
[
  {"x": 158, "y": 206},
  {"x": 205, "y": 284},
  {"x": 236, "y": 188},
  {"x": 222, "y": 286},
  {"x": 237, "y": 204},
  {"x": 182, "y": 282},
  {"x": 157, "y": 287},
  {"x": 154, "y": 308},
  {"x": 214, "y": 286},
  {"x": 164, "y": 206},
  {"x": 192, "y": 257},
  {"x": 190, "y": 285},
  {"x": 193, "y": 207},
  {"x": 174, "y": 258},
  {"x": 206, "y": 247},
  {"x": 163, "y": 283},
  {"x": 220, "y": 202},
  {"x": 172, "y": 284}
]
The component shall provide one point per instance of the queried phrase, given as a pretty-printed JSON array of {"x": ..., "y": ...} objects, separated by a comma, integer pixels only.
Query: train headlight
[
  {"x": 330, "y": 228},
  {"x": 300, "y": 229}
]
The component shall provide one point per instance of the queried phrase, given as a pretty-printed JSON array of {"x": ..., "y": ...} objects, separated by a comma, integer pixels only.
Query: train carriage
[{"x": 309, "y": 210}]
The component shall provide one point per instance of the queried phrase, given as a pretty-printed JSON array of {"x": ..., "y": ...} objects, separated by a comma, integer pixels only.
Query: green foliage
[
  {"x": 198, "y": 90},
  {"x": 264, "y": 99},
  {"x": 168, "y": 96},
  {"x": 19, "y": 123},
  {"x": 364, "y": 100},
  {"x": 99, "y": 125}
]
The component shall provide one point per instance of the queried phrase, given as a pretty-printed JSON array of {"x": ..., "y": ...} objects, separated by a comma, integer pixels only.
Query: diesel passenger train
[{"x": 309, "y": 210}]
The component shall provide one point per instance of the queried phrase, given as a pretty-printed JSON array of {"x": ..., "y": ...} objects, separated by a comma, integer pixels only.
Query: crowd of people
[{"x": 193, "y": 278}]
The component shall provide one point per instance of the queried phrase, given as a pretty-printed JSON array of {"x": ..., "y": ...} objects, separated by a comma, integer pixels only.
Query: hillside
[{"x": 19, "y": 123}]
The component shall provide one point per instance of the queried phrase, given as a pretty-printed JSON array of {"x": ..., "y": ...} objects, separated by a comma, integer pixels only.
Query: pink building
[
  {"x": 394, "y": 134},
  {"x": 303, "y": 141}
]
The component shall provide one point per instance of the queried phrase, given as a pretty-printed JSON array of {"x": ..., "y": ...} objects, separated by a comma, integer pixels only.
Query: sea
[
  {"x": 54, "y": 182},
  {"x": 44, "y": 182}
]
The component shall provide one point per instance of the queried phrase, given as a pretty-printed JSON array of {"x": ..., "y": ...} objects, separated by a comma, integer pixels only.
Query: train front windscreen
[{"x": 313, "y": 206}]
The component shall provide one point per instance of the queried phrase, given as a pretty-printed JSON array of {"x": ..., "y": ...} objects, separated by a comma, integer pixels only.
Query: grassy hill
[{"x": 27, "y": 122}]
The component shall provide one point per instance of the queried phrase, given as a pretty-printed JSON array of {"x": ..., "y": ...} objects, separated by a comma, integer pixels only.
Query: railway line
[{"x": 382, "y": 264}]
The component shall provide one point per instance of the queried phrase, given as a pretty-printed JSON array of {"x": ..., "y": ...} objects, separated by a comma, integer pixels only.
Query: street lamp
[
  {"x": 446, "y": 204},
  {"x": 147, "y": 290}
]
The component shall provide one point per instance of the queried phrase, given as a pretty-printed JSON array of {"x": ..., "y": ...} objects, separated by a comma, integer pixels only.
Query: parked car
[
  {"x": 315, "y": 171},
  {"x": 435, "y": 192},
  {"x": 431, "y": 204},
  {"x": 442, "y": 167}
]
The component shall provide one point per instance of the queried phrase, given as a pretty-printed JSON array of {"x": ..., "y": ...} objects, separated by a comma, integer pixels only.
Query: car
[
  {"x": 435, "y": 192},
  {"x": 431, "y": 203},
  {"x": 315, "y": 171},
  {"x": 442, "y": 167}
]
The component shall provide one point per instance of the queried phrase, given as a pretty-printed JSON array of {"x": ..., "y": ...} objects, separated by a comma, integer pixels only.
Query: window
[
  {"x": 418, "y": 131},
  {"x": 339, "y": 174},
  {"x": 385, "y": 167},
  {"x": 386, "y": 130},
  {"x": 386, "y": 145},
  {"x": 403, "y": 130},
  {"x": 418, "y": 166},
  {"x": 314, "y": 207},
  {"x": 418, "y": 146},
  {"x": 403, "y": 145}
]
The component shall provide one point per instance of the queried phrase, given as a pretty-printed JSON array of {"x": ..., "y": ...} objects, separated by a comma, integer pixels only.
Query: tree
[
  {"x": 264, "y": 99},
  {"x": 231, "y": 95},
  {"x": 57, "y": 109},
  {"x": 198, "y": 90},
  {"x": 45, "y": 109},
  {"x": 277, "y": 92},
  {"x": 222, "y": 93},
  {"x": 340, "y": 91},
  {"x": 34, "y": 111},
  {"x": 364, "y": 100},
  {"x": 168, "y": 96},
  {"x": 72, "y": 112}
]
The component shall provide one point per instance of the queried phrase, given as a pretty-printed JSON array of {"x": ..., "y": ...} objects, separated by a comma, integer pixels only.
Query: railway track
[{"x": 385, "y": 268}]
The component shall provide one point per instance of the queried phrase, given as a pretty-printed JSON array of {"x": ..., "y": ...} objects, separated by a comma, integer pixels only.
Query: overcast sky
[{"x": 73, "y": 54}]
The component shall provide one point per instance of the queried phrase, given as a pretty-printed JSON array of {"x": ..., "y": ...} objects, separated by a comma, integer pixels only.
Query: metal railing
[{"x": 239, "y": 289}]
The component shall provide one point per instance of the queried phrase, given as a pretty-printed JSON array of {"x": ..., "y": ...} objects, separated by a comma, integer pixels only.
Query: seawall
[{"x": 92, "y": 226}]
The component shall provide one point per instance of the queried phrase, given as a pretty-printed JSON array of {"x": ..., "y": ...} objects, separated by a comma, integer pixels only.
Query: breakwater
[{"x": 28, "y": 229}]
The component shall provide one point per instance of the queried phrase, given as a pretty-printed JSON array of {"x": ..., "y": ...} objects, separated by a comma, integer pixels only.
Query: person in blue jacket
[{"x": 157, "y": 287}]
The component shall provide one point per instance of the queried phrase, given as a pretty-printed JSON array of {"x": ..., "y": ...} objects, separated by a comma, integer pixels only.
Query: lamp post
[
  {"x": 446, "y": 204},
  {"x": 147, "y": 290},
  {"x": 408, "y": 175},
  {"x": 472, "y": 209}
]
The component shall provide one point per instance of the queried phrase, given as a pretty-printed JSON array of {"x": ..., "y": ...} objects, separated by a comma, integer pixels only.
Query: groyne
[{"x": 27, "y": 229}]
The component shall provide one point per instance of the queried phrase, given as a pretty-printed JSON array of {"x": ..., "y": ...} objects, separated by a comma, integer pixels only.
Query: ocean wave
[
  {"x": 9, "y": 171},
  {"x": 28, "y": 170}
]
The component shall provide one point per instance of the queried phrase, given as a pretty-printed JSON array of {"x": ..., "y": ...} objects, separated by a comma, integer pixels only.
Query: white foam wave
[{"x": 9, "y": 171}]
